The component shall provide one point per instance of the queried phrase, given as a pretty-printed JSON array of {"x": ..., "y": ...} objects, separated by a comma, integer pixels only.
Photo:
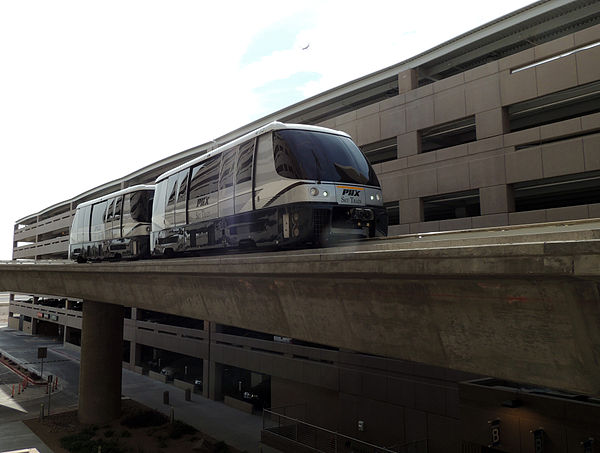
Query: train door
[
  {"x": 267, "y": 182},
  {"x": 243, "y": 177},
  {"x": 86, "y": 229},
  {"x": 175, "y": 213},
  {"x": 80, "y": 231},
  {"x": 226, "y": 187},
  {"x": 158, "y": 211},
  {"x": 97, "y": 228},
  {"x": 203, "y": 201}
]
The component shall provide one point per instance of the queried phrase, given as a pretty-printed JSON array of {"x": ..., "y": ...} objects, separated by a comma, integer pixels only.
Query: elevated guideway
[{"x": 519, "y": 303}]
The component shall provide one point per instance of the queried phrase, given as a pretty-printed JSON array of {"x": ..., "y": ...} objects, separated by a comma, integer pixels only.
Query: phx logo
[{"x": 351, "y": 192}]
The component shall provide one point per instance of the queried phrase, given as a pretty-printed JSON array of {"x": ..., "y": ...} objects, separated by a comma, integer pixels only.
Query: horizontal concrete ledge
[
  {"x": 183, "y": 385},
  {"x": 526, "y": 309},
  {"x": 237, "y": 404},
  {"x": 157, "y": 376},
  {"x": 566, "y": 258}
]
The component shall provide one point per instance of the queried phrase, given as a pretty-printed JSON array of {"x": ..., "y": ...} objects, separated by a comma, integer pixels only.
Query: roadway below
[{"x": 237, "y": 428}]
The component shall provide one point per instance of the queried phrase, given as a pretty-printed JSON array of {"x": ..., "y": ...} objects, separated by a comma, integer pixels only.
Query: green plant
[
  {"x": 81, "y": 441},
  {"x": 162, "y": 442},
  {"x": 221, "y": 447},
  {"x": 145, "y": 419},
  {"x": 179, "y": 429},
  {"x": 84, "y": 442}
]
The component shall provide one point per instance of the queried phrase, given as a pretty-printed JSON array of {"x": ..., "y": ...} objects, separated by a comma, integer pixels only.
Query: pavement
[{"x": 215, "y": 419}]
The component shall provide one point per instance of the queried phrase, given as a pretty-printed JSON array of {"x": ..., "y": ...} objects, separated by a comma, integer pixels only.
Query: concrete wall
[
  {"x": 13, "y": 323},
  {"x": 491, "y": 163}
]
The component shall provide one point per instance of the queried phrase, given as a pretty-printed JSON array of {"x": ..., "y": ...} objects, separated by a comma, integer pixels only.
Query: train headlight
[
  {"x": 295, "y": 217},
  {"x": 314, "y": 191},
  {"x": 325, "y": 193},
  {"x": 296, "y": 232},
  {"x": 378, "y": 197},
  {"x": 372, "y": 197}
]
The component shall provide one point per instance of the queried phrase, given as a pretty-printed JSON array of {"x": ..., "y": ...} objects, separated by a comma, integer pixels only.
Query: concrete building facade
[{"x": 500, "y": 126}]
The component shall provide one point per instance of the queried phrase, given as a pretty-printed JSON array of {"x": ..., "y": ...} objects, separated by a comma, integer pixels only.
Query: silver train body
[
  {"x": 282, "y": 185},
  {"x": 114, "y": 226}
]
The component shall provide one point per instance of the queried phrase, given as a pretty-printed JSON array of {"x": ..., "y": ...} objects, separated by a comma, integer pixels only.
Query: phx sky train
[{"x": 282, "y": 185}]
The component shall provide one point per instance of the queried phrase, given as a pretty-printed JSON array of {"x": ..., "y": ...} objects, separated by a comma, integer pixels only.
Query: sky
[{"x": 92, "y": 91}]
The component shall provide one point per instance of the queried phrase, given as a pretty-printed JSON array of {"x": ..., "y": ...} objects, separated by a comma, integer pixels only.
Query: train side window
[
  {"x": 140, "y": 208},
  {"x": 118, "y": 203},
  {"x": 244, "y": 163},
  {"x": 181, "y": 203},
  {"x": 226, "y": 177},
  {"x": 205, "y": 178},
  {"x": 183, "y": 183},
  {"x": 109, "y": 210},
  {"x": 172, "y": 186}
]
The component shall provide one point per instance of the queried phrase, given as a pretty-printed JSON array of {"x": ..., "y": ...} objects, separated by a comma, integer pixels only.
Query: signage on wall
[
  {"x": 494, "y": 433},
  {"x": 538, "y": 440}
]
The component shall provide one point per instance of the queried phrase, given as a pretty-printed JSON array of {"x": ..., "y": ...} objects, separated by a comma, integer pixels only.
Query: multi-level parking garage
[{"x": 500, "y": 126}]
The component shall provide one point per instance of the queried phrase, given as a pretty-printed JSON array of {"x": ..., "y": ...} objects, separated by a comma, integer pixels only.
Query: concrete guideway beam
[
  {"x": 101, "y": 361},
  {"x": 527, "y": 312}
]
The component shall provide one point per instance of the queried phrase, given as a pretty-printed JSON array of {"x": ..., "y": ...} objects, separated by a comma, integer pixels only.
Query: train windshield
[{"x": 321, "y": 156}]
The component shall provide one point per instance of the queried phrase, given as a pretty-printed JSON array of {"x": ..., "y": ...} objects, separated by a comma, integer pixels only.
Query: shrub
[
  {"x": 179, "y": 429},
  {"x": 83, "y": 442},
  {"x": 145, "y": 419},
  {"x": 221, "y": 447}
]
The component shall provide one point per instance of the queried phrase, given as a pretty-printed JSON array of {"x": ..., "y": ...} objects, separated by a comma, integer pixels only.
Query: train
[
  {"x": 281, "y": 186},
  {"x": 114, "y": 226}
]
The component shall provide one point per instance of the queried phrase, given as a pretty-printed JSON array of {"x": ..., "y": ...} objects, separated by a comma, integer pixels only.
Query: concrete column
[
  {"x": 212, "y": 372},
  {"x": 407, "y": 81},
  {"x": 215, "y": 380},
  {"x": 100, "y": 369}
]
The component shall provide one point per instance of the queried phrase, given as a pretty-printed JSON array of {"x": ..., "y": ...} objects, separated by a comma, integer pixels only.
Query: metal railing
[{"x": 327, "y": 441}]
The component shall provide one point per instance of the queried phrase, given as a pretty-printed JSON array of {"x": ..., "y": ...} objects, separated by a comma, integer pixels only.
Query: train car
[
  {"x": 282, "y": 185},
  {"x": 114, "y": 226}
]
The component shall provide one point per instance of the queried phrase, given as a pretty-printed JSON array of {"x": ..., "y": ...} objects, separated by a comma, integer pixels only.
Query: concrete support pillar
[
  {"x": 212, "y": 372},
  {"x": 407, "y": 81},
  {"x": 215, "y": 380},
  {"x": 135, "y": 354},
  {"x": 100, "y": 369}
]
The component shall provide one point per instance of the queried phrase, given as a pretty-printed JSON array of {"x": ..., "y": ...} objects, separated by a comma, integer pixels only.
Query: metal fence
[{"x": 324, "y": 440}]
